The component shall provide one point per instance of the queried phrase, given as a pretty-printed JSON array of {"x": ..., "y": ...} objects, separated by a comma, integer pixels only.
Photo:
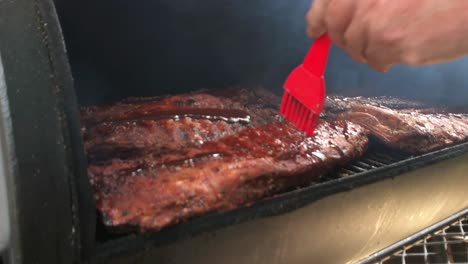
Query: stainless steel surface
[
  {"x": 342, "y": 228},
  {"x": 4, "y": 212},
  {"x": 449, "y": 246}
]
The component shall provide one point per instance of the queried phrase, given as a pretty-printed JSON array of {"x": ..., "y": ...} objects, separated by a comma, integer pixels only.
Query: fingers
[
  {"x": 359, "y": 31},
  {"x": 316, "y": 25},
  {"x": 356, "y": 36},
  {"x": 356, "y": 27},
  {"x": 381, "y": 67},
  {"x": 339, "y": 15},
  {"x": 385, "y": 44},
  {"x": 380, "y": 57},
  {"x": 355, "y": 39}
]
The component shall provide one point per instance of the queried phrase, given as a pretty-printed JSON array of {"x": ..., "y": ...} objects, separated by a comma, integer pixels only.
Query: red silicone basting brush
[{"x": 304, "y": 90}]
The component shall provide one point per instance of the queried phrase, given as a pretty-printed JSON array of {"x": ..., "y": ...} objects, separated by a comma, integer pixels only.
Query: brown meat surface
[
  {"x": 162, "y": 124},
  {"x": 157, "y": 161},
  {"x": 412, "y": 130},
  {"x": 157, "y": 190},
  {"x": 338, "y": 104}
]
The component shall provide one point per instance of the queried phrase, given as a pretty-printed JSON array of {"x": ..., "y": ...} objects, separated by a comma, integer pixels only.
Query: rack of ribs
[
  {"x": 157, "y": 190},
  {"x": 413, "y": 127},
  {"x": 161, "y": 124},
  {"x": 154, "y": 162},
  {"x": 170, "y": 172}
]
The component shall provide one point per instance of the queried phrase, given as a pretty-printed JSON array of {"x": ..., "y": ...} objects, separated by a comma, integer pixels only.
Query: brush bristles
[{"x": 298, "y": 114}]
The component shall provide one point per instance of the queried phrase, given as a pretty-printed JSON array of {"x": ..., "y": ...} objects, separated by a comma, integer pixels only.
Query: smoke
[
  {"x": 157, "y": 47},
  {"x": 442, "y": 83}
]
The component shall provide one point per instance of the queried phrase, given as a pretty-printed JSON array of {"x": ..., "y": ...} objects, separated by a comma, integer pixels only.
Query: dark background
[{"x": 121, "y": 48}]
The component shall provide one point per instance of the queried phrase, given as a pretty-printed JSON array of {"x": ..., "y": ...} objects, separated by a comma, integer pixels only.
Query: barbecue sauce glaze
[{"x": 226, "y": 115}]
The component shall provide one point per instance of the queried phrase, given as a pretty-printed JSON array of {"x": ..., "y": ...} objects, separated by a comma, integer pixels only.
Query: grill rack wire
[
  {"x": 448, "y": 245},
  {"x": 376, "y": 157},
  {"x": 372, "y": 161}
]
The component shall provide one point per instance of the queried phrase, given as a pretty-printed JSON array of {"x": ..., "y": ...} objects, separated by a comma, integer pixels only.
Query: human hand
[{"x": 382, "y": 33}]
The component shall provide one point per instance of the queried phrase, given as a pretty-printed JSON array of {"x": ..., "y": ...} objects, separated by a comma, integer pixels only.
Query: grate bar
[
  {"x": 417, "y": 254},
  {"x": 347, "y": 172},
  {"x": 370, "y": 162},
  {"x": 357, "y": 169},
  {"x": 449, "y": 245},
  {"x": 365, "y": 165},
  {"x": 386, "y": 157},
  {"x": 426, "y": 252},
  {"x": 448, "y": 242},
  {"x": 382, "y": 160},
  {"x": 450, "y": 234},
  {"x": 375, "y": 163}
]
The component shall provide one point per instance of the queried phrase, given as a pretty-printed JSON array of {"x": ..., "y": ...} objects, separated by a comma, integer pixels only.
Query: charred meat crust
[
  {"x": 161, "y": 124},
  {"x": 153, "y": 172},
  {"x": 339, "y": 104},
  {"x": 234, "y": 171},
  {"x": 412, "y": 130},
  {"x": 158, "y": 161}
]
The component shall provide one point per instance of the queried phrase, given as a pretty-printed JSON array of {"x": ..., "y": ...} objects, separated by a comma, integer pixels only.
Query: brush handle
[{"x": 316, "y": 59}]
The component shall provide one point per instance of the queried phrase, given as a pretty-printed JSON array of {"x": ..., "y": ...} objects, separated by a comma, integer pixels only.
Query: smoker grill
[{"x": 118, "y": 49}]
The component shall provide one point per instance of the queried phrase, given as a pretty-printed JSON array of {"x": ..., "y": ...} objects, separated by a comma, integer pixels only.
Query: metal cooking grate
[
  {"x": 447, "y": 246},
  {"x": 372, "y": 161}
]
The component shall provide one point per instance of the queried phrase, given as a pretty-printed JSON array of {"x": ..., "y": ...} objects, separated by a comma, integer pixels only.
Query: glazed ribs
[
  {"x": 154, "y": 162},
  {"x": 162, "y": 124},
  {"x": 154, "y": 191},
  {"x": 338, "y": 104},
  {"x": 413, "y": 127},
  {"x": 159, "y": 161}
]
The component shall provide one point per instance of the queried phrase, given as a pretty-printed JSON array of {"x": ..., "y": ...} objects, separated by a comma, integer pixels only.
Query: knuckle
[
  {"x": 334, "y": 16},
  {"x": 412, "y": 58},
  {"x": 388, "y": 36},
  {"x": 333, "y": 9},
  {"x": 377, "y": 60},
  {"x": 350, "y": 40}
]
